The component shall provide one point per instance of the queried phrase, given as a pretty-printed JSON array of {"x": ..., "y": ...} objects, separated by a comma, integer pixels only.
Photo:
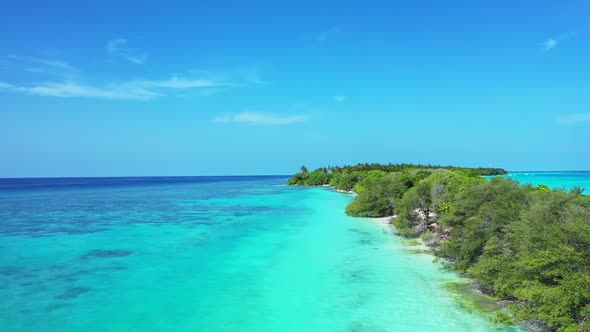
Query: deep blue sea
[{"x": 212, "y": 254}]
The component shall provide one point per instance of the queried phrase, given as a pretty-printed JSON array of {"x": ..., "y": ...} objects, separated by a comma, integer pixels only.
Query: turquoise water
[
  {"x": 217, "y": 254},
  {"x": 555, "y": 180}
]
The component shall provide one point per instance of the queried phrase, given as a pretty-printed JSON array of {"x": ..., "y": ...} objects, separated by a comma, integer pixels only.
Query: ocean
[
  {"x": 555, "y": 180},
  {"x": 213, "y": 254}
]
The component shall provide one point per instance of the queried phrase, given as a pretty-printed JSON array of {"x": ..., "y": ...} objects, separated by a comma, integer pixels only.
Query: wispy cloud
[
  {"x": 549, "y": 44},
  {"x": 120, "y": 48},
  {"x": 552, "y": 42},
  {"x": 131, "y": 90},
  {"x": 238, "y": 76},
  {"x": 6, "y": 86},
  {"x": 339, "y": 99},
  {"x": 50, "y": 63},
  {"x": 573, "y": 118},
  {"x": 175, "y": 82},
  {"x": 72, "y": 89},
  {"x": 44, "y": 66},
  {"x": 70, "y": 83},
  {"x": 324, "y": 35},
  {"x": 260, "y": 118}
]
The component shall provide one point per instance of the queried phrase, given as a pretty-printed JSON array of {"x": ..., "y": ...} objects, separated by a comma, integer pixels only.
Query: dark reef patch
[
  {"x": 359, "y": 231},
  {"x": 106, "y": 254},
  {"x": 205, "y": 223},
  {"x": 358, "y": 326},
  {"x": 365, "y": 241},
  {"x": 72, "y": 293},
  {"x": 9, "y": 271},
  {"x": 355, "y": 276},
  {"x": 16, "y": 272},
  {"x": 31, "y": 283},
  {"x": 55, "y": 306}
]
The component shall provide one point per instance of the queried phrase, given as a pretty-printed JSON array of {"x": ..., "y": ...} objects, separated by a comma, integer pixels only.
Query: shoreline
[
  {"x": 465, "y": 293},
  {"x": 470, "y": 292},
  {"x": 349, "y": 192},
  {"x": 384, "y": 220}
]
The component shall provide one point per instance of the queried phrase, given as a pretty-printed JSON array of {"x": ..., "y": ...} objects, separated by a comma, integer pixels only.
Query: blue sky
[{"x": 247, "y": 87}]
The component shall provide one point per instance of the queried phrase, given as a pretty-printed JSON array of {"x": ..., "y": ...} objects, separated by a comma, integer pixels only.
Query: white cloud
[
  {"x": 339, "y": 99},
  {"x": 70, "y": 84},
  {"x": 260, "y": 118},
  {"x": 174, "y": 83},
  {"x": 120, "y": 48},
  {"x": 114, "y": 46},
  {"x": 138, "y": 60},
  {"x": 45, "y": 66},
  {"x": 238, "y": 76},
  {"x": 72, "y": 89},
  {"x": 550, "y": 44},
  {"x": 132, "y": 90},
  {"x": 7, "y": 86},
  {"x": 574, "y": 118},
  {"x": 326, "y": 34},
  {"x": 49, "y": 63}
]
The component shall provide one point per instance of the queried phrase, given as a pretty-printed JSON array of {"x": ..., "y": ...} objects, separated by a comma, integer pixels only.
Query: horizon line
[{"x": 231, "y": 175}]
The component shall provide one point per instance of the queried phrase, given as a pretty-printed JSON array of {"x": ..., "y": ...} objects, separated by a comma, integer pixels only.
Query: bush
[{"x": 378, "y": 196}]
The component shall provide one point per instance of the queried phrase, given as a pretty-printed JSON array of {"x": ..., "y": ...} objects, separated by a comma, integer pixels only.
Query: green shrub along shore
[{"x": 528, "y": 246}]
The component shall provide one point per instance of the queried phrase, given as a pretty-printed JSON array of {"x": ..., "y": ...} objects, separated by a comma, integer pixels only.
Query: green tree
[{"x": 377, "y": 196}]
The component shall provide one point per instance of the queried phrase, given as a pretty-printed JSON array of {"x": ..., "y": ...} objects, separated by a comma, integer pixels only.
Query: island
[{"x": 527, "y": 246}]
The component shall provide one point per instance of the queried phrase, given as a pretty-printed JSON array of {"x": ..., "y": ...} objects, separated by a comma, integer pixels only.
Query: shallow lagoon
[
  {"x": 239, "y": 255},
  {"x": 554, "y": 180}
]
